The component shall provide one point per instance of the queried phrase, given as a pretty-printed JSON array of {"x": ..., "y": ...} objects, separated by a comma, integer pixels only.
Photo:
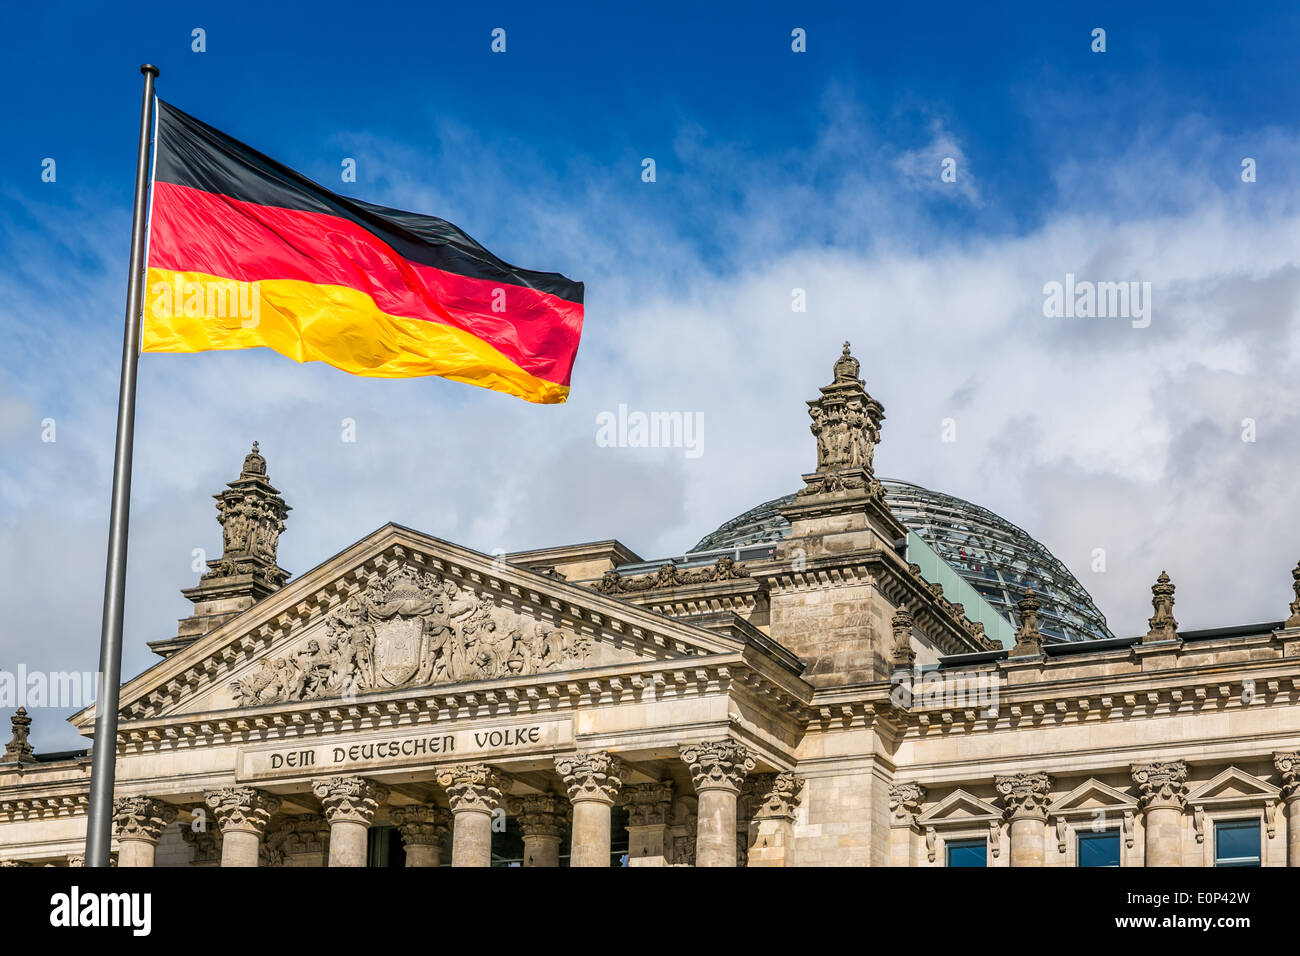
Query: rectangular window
[
  {"x": 1098, "y": 849},
  {"x": 1236, "y": 843},
  {"x": 966, "y": 852}
]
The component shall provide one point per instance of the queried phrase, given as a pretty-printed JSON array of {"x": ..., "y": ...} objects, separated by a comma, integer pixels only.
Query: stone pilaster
[
  {"x": 138, "y": 823},
  {"x": 1163, "y": 797},
  {"x": 593, "y": 780},
  {"x": 718, "y": 769},
  {"x": 905, "y": 803},
  {"x": 349, "y": 804},
  {"x": 649, "y": 815},
  {"x": 1288, "y": 765},
  {"x": 204, "y": 844},
  {"x": 474, "y": 793},
  {"x": 307, "y": 838},
  {"x": 541, "y": 817},
  {"x": 1025, "y": 797},
  {"x": 424, "y": 828},
  {"x": 771, "y": 828},
  {"x": 242, "y": 814}
]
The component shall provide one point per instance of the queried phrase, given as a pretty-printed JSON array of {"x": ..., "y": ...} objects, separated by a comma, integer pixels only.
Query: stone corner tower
[
  {"x": 251, "y": 513},
  {"x": 843, "y": 597}
]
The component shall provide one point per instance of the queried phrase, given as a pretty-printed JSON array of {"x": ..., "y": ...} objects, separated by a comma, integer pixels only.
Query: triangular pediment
[
  {"x": 958, "y": 805},
  {"x": 401, "y": 610},
  {"x": 1092, "y": 794},
  {"x": 1234, "y": 784}
]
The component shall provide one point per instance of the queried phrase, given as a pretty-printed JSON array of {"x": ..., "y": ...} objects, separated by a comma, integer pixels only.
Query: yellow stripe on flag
[{"x": 309, "y": 322}]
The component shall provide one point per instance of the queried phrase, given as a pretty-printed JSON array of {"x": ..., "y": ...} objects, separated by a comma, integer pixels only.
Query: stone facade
[{"x": 823, "y": 705}]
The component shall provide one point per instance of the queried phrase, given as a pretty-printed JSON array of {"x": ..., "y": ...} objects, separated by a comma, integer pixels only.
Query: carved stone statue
[
  {"x": 251, "y": 513},
  {"x": 846, "y": 423}
]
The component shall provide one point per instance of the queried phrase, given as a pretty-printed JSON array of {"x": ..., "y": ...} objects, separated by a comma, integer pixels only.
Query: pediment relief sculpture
[{"x": 410, "y": 629}]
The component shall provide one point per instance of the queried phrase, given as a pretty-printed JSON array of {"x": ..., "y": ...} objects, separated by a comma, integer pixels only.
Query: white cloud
[{"x": 1087, "y": 433}]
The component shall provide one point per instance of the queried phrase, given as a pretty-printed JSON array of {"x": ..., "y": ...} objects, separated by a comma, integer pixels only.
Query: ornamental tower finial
[
  {"x": 1162, "y": 623},
  {"x": 1294, "y": 619},
  {"x": 846, "y": 422},
  {"x": 1029, "y": 639},
  {"x": 19, "y": 749},
  {"x": 251, "y": 513},
  {"x": 903, "y": 654}
]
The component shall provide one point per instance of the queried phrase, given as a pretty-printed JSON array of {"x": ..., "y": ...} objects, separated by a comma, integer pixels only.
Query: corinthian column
[
  {"x": 349, "y": 804},
  {"x": 1288, "y": 765},
  {"x": 138, "y": 823},
  {"x": 1024, "y": 796},
  {"x": 474, "y": 794},
  {"x": 242, "y": 814},
  {"x": 424, "y": 828},
  {"x": 1163, "y": 796},
  {"x": 593, "y": 781},
  {"x": 776, "y": 795},
  {"x": 541, "y": 821},
  {"x": 718, "y": 769},
  {"x": 649, "y": 813}
]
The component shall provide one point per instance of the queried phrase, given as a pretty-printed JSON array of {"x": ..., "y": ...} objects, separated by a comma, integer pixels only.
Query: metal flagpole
[{"x": 99, "y": 826}]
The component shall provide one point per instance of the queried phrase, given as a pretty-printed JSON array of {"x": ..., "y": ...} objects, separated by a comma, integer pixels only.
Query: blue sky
[{"x": 775, "y": 171}]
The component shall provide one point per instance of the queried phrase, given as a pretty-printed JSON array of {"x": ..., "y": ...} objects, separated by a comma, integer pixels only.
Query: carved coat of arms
[{"x": 412, "y": 628}]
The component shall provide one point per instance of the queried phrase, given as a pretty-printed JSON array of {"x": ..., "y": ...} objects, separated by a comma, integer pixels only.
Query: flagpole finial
[{"x": 149, "y": 68}]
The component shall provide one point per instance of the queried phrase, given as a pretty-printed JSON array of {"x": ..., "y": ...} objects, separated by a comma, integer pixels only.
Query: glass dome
[{"x": 997, "y": 559}]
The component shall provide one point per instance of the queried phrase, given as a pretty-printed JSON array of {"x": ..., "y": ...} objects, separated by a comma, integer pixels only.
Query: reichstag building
[{"x": 862, "y": 673}]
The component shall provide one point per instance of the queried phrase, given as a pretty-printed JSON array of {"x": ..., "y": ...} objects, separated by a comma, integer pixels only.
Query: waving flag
[{"x": 245, "y": 252}]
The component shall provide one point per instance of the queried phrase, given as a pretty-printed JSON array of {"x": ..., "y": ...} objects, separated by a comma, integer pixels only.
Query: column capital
[
  {"x": 474, "y": 787},
  {"x": 649, "y": 804},
  {"x": 1024, "y": 795},
  {"x": 591, "y": 775},
  {"x": 349, "y": 799},
  {"x": 718, "y": 764},
  {"x": 1161, "y": 784},
  {"x": 422, "y": 824},
  {"x": 141, "y": 818},
  {"x": 905, "y": 802},
  {"x": 242, "y": 808},
  {"x": 776, "y": 795},
  {"x": 541, "y": 814},
  {"x": 1287, "y": 764}
]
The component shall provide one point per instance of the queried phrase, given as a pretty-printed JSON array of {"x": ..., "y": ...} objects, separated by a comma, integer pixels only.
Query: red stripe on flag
[{"x": 196, "y": 231}]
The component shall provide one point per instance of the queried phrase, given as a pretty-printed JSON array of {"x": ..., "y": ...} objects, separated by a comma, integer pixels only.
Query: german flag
[{"x": 245, "y": 252}]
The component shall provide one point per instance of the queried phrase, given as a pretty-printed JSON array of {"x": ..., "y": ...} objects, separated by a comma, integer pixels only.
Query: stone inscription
[{"x": 383, "y": 752}]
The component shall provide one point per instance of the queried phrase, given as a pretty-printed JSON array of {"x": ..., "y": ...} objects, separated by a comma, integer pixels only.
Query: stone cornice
[
  {"x": 48, "y": 806},
  {"x": 534, "y": 695},
  {"x": 1223, "y": 687},
  {"x": 210, "y": 659}
]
